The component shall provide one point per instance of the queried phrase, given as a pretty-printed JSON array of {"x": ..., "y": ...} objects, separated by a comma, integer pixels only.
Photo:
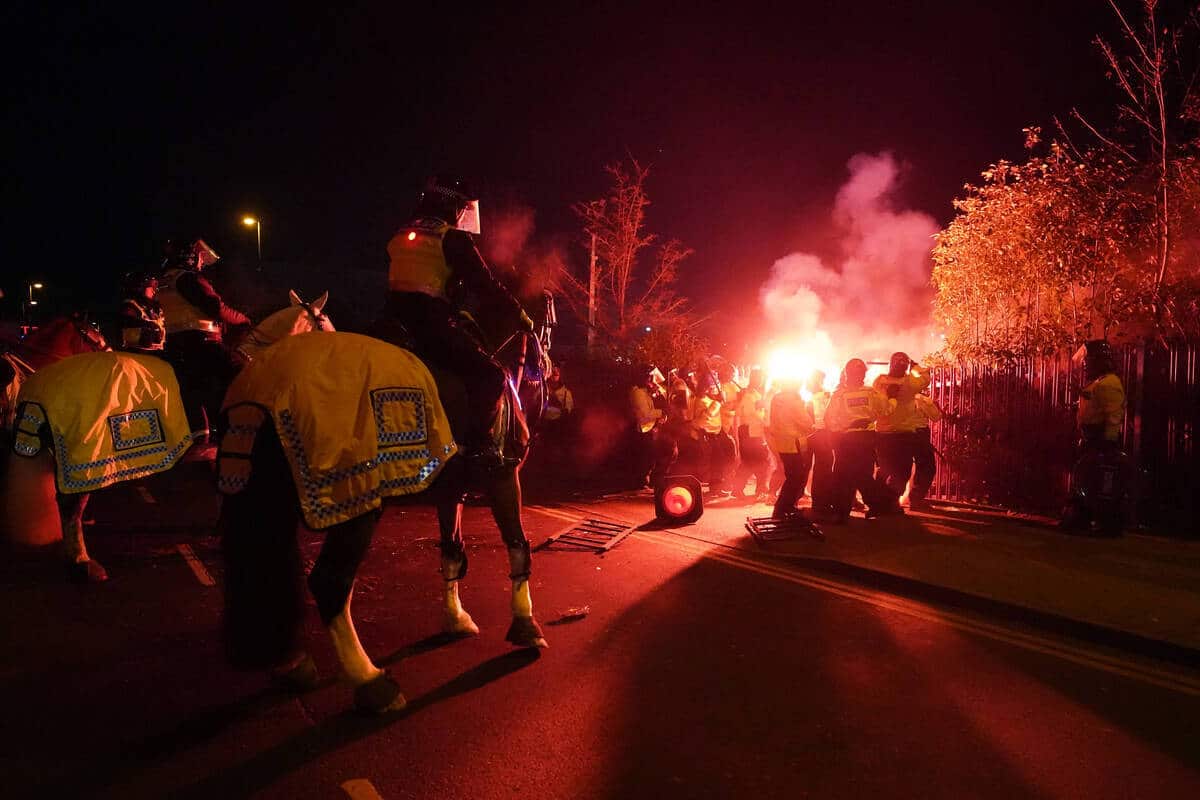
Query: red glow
[
  {"x": 412, "y": 235},
  {"x": 678, "y": 500}
]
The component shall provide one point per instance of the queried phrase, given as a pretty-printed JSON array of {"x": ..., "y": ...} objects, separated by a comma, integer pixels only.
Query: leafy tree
[{"x": 1078, "y": 242}]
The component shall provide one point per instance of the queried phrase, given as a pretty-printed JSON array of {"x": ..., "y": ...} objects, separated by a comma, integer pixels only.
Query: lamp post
[
  {"x": 31, "y": 301},
  {"x": 249, "y": 221}
]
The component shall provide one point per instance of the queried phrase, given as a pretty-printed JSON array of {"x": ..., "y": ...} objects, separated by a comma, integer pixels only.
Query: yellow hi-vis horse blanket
[
  {"x": 109, "y": 417},
  {"x": 359, "y": 420}
]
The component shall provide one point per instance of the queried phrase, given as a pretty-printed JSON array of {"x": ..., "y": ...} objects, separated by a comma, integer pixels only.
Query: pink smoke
[
  {"x": 875, "y": 297},
  {"x": 529, "y": 264}
]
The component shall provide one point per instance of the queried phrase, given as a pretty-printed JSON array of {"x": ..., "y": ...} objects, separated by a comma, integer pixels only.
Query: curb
[{"x": 1048, "y": 621}]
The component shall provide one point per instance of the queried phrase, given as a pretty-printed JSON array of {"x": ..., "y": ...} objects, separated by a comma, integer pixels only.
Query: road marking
[
  {"x": 361, "y": 789},
  {"x": 1184, "y": 683},
  {"x": 198, "y": 568},
  {"x": 1175, "y": 681},
  {"x": 146, "y": 496}
]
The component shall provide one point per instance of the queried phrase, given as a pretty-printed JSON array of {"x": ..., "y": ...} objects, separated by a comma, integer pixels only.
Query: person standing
[
  {"x": 655, "y": 447},
  {"x": 850, "y": 418},
  {"x": 924, "y": 455},
  {"x": 1098, "y": 474},
  {"x": 897, "y": 441},
  {"x": 820, "y": 444},
  {"x": 791, "y": 425},
  {"x": 751, "y": 431}
]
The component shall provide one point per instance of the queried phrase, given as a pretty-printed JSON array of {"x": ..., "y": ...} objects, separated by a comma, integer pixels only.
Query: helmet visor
[{"x": 468, "y": 218}]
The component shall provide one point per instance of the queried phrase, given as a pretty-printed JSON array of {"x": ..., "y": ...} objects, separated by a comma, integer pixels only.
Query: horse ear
[
  {"x": 318, "y": 305},
  {"x": 294, "y": 298}
]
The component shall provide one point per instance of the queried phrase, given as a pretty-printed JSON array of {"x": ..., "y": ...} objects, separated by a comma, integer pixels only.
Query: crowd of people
[{"x": 778, "y": 434}]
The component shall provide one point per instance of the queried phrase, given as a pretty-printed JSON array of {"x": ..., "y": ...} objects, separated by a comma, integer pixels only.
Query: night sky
[{"x": 126, "y": 128}]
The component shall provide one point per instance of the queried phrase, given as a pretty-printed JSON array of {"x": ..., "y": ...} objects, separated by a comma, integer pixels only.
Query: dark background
[{"x": 126, "y": 128}]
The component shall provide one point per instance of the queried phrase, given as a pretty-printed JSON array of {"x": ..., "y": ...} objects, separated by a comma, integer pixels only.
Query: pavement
[{"x": 1135, "y": 592}]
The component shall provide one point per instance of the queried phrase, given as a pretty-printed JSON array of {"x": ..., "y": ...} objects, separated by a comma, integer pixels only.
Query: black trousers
[
  {"x": 722, "y": 454},
  {"x": 854, "y": 463},
  {"x": 821, "y": 444},
  {"x": 440, "y": 340},
  {"x": 755, "y": 460},
  {"x": 926, "y": 461},
  {"x": 204, "y": 367},
  {"x": 795, "y": 478},
  {"x": 895, "y": 453}
]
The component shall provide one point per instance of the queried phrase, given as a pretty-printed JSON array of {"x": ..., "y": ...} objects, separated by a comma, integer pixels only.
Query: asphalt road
[{"x": 695, "y": 673}]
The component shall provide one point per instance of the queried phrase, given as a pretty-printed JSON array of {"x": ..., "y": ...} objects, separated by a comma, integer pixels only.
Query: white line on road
[
  {"x": 198, "y": 568},
  {"x": 360, "y": 789},
  {"x": 146, "y": 496}
]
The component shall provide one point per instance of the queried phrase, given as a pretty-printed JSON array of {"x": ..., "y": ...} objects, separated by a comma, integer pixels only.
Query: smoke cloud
[
  {"x": 874, "y": 297},
  {"x": 529, "y": 264}
]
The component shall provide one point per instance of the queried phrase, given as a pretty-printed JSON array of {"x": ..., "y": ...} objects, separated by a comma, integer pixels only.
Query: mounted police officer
[
  {"x": 142, "y": 324},
  {"x": 434, "y": 266},
  {"x": 197, "y": 322}
]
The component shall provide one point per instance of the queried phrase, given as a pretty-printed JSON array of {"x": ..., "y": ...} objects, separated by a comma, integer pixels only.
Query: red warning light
[{"x": 412, "y": 236}]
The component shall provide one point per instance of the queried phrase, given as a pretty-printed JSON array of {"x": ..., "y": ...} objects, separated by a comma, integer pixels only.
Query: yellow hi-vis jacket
[
  {"x": 644, "y": 412},
  {"x": 906, "y": 417},
  {"x": 706, "y": 414},
  {"x": 729, "y": 407},
  {"x": 417, "y": 262},
  {"x": 1102, "y": 403},
  {"x": 819, "y": 404},
  {"x": 178, "y": 314},
  {"x": 856, "y": 408},
  {"x": 791, "y": 423}
]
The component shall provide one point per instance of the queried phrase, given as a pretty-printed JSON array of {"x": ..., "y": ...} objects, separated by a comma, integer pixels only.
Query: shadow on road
[{"x": 259, "y": 772}]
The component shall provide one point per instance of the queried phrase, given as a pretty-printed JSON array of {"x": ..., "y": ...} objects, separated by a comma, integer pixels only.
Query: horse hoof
[
  {"x": 379, "y": 695},
  {"x": 299, "y": 677},
  {"x": 87, "y": 572},
  {"x": 460, "y": 625},
  {"x": 525, "y": 632}
]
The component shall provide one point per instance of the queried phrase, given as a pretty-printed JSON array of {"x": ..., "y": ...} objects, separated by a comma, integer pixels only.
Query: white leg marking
[
  {"x": 522, "y": 603},
  {"x": 355, "y": 663},
  {"x": 360, "y": 789}
]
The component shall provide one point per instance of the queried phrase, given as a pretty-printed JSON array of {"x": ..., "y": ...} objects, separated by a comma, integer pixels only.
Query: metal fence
[{"x": 1008, "y": 433}]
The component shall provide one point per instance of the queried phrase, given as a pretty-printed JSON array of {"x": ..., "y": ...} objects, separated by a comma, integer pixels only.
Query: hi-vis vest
[
  {"x": 136, "y": 337},
  {"x": 1102, "y": 404},
  {"x": 179, "y": 314},
  {"x": 856, "y": 409},
  {"x": 417, "y": 261}
]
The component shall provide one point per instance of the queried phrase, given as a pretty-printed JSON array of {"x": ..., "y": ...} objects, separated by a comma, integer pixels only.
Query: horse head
[
  {"x": 298, "y": 317},
  {"x": 60, "y": 338}
]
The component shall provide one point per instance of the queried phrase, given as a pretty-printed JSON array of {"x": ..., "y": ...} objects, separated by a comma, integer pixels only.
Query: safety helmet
[
  {"x": 190, "y": 254},
  {"x": 899, "y": 364},
  {"x": 857, "y": 368},
  {"x": 138, "y": 281},
  {"x": 452, "y": 201},
  {"x": 1097, "y": 359}
]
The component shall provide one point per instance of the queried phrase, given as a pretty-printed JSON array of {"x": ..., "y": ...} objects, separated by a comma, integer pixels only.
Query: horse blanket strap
[
  {"x": 359, "y": 420},
  {"x": 237, "y": 445},
  {"x": 108, "y": 417}
]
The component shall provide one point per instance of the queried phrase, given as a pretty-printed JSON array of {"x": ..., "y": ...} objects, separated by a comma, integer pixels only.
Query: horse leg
[
  {"x": 332, "y": 584},
  {"x": 81, "y": 568},
  {"x": 455, "y": 620},
  {"x": 263, "y": 582},
  {"x": 504, "y": 490}
]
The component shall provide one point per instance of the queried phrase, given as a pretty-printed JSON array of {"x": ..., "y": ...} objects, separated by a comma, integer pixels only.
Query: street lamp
[{"x": 257, "y": 224}]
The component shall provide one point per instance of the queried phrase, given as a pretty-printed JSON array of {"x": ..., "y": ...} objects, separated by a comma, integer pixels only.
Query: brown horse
[{"x": 50, "y": 343}]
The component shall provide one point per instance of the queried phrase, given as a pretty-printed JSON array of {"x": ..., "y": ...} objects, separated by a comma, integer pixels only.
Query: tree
[
  {"x": 633, "y": 296},
  {"x": 1079, "y": 242}
]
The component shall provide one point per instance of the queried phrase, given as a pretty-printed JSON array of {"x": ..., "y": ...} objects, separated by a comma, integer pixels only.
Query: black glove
[{"x": 893, "y": 391}]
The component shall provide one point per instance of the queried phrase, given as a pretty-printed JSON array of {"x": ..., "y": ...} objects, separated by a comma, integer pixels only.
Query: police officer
[
  {"x": 791, "y": 425},
  {"x": 197, "y": 323},
  {"x": 897, "y": 442},
  {"x": 142, "y": 325},
  {"x": 924, "y": 455},
  {"x": 851, "y": 417},
  {"x": 820, "y": 443},
  {"x": 434, "y": 265},
  {"x": 1096, "y": 476}
]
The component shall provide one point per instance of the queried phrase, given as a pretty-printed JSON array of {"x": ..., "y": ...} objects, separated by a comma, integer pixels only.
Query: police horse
[
  {"x": 60, "y": 338},
  {"x": 109, "y": 417},
  {"x": 324, "y": 428}
]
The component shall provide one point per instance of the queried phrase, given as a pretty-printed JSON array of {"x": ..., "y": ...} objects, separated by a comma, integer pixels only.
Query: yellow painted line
[
  {"x": 198, "y": 568},
  {"x": 1178, "y": 682},
  {"x": 360, "y": 789}
]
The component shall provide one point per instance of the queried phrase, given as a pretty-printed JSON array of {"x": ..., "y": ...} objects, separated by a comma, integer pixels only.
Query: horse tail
[{"x": 264, "y": 576}]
